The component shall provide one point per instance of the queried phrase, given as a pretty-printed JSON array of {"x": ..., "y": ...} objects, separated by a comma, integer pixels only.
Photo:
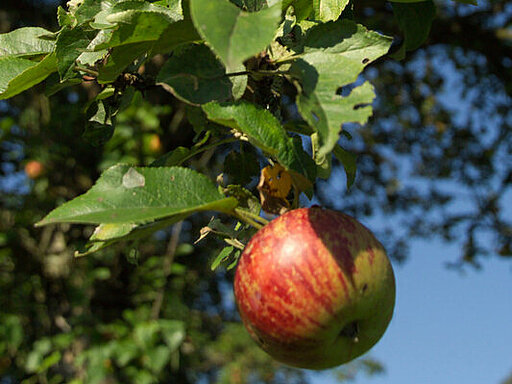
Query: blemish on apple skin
[
  {"x": 100, "y": 199},
  {"x": 351, "y": 331},
  {"x": 364, "y": 288}
]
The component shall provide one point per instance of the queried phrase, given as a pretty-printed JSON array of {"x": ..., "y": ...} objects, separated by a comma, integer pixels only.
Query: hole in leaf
[
  {"x": 361, "y": 105},
  {"x": 345, "y": 90}
]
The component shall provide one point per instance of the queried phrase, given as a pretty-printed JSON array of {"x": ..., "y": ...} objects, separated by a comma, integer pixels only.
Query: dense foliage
[{"x": 147, "y": 116}]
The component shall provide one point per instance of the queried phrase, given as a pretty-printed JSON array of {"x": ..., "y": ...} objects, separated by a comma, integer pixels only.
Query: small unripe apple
[
  {"x": 152, "y": 144},
  {"x": 34, "y": 169},
  {"x": 315, "y": 288}
]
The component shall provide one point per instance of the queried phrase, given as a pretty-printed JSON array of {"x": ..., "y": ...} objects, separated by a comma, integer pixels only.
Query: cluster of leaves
[
  {"x": 252, "y": 83},
  {"x": 219, "y": 58}
]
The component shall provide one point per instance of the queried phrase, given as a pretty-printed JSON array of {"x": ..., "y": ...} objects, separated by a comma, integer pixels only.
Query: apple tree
[{"x": 179, "y": 121}]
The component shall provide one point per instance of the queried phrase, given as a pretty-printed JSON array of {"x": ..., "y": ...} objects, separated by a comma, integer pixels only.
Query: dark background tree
[{"x": 440, "y": 137}]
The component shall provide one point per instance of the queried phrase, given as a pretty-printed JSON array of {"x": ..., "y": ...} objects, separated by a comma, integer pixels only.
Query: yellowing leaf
[{"x": 274, "y": 186}]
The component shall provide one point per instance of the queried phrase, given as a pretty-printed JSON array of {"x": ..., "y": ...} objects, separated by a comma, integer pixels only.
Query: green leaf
[
  {"x": 119, "y": 58},
  {"x": 173, "y": 333},
  {"x": 175, "y": 157},
  {"x": 328, "y": 10},
  {"x": 239, "y": 83},
  {"x": 90, "y": 56},
  {"x": 246, "y": 200},
  {"x": 125, "y": 194},
  {"x": 54, "y": 85},
  {"x": 236, "y": 257},
  {"x": 323, "y": 162},
  {"x": 49, "y": 361},
  {"x": 87, "y": 9},
  {"x": 158, "y": 357},
  {"x": 104, "y": 19},
  {"x": 301, "y": 8},
  {"x": 106, "y": 235},
  {"x": 335, "y": 54},
  {"x": 10, "y": 68},
  {"x": 415, "y": 20},
  {"x": 265, "y": 131},
  {"x": 233, "y": 34},
  {"x": 25, "y": 42},
  {"x": 64, "y": 18},
  {"x": 174, "y": 35},
  {"x": 100, "y": 125},
  {"x": 70, "y": 45},
  {"x": 18, "y": 75},
  {"x": 194, "y": 75},
  {"x": 136, "y": 27},
  {"x": 222, "y": 256},
  {"x": 348, "y": 159}
]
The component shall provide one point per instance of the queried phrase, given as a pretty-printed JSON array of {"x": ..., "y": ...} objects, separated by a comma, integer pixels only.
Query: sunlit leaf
[
  {"x": 24, "y": 42},
  {"x": 328, "y": 10},
  {"x": 233, "y": 34},
  {"x": 265, "y": 131},
  {"x": 125, "y": 194},
  {"x": 18, "y": 75},
  {"x": 335, "y": 54}
]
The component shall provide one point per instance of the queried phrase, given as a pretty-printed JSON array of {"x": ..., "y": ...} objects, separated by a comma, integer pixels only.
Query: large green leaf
[
  {"x": 18, "y": 75},
  {"x": 195, "y": 76},
  {"x": 265, "y": 131},
  {"x": 25, "y": 42},
  {"x": 125, "y": 194},
  {"x": 328, "y": 10},
  {"x": 335, "y": 53},
  {"x": 233, "y": 34}
]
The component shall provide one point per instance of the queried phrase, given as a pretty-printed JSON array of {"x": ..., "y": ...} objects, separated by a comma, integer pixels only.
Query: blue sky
[{"x": 448, "y": 327}]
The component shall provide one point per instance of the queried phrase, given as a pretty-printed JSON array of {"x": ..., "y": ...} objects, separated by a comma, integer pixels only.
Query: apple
[
  {"x": 152, "y": 144},
  {"x": 315, "y": 288},
  {"x": 34, "y": 169}
]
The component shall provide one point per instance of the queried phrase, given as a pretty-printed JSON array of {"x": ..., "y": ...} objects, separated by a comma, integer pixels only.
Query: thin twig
[{"x": 86, "y": 70}]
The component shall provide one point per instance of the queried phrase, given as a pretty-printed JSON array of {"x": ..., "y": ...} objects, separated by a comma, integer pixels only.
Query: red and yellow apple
[{"x": 315, "y": 288}]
